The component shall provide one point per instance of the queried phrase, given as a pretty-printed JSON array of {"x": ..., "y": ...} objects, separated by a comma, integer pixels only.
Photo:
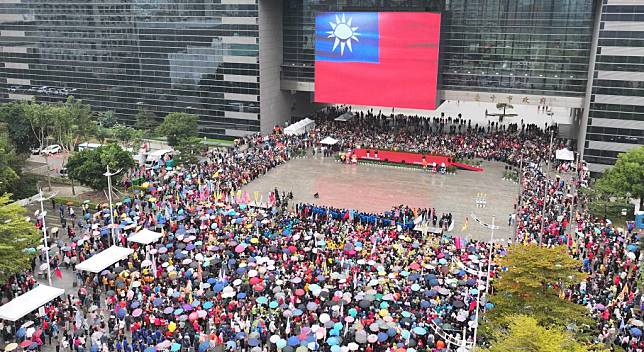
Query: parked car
[
  {"x": 63, "y": 171},
  {"x": 52, "y": 149}
]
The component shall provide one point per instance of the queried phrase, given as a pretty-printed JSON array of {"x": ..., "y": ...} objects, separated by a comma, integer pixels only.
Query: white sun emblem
[{"x": 343, "y": 33}]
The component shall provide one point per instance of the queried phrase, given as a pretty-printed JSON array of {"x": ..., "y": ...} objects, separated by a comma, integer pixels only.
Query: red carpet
[{"x": 409, "y": 158}]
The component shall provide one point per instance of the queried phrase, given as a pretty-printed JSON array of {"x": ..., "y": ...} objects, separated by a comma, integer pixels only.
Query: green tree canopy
[
  {"x": 525, "y": 334},
  {"x": 16, "y": 235},
  {"x": 88, "y": 166},
  {"x": 626, "y": 176},
  {"x": 106, "y": 119},
  {"x": 177, "y": 126},
  {"x": 189, "y": 150},
  {"x": 18, "y": 128},
  {"x": 9, "y": 164},
  {"x": 128, "y": 136},
  {"x": 146, "y": 121},
  {"x": 532, "y": 284}
]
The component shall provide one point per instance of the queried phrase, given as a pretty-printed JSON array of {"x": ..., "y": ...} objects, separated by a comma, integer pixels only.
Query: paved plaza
[{"x": 375, "y": 188}]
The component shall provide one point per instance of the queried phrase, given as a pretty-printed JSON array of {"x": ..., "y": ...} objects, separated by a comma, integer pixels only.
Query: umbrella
[
  {"x": 25, "y": 343},
  {"x": 419, "y": 330},
  {"x": 636, "y": 332},
  {"x": 10, "y": 347}
]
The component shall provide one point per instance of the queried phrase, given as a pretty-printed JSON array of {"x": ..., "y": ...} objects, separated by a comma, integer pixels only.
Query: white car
[
  {"x": 52, "y": 149},
  {"x": 36, "y": 150}
]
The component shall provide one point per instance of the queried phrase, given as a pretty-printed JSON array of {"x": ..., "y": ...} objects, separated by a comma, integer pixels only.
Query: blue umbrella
[
  {"x": 332, "y": 341},
  {"x": 419, "y": 330},
  {"x": 382, "y": 337},
  {"x": 151, "y": 349},
  {"x": 175, "y": 347},
  {"x": 20, "y": 333},
  {"x": 157, "y": 302},
  {"x": 207, "y": 305},
  {"x": 293, "y": 341},
  {"x": 121, "y": 313},
  {"x": 636, "y": 332}
]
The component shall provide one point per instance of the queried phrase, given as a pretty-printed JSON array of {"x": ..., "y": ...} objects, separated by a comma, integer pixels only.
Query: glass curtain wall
[
  {"x": 130, "y": 55},
  {"x": 513, "y": 46}
]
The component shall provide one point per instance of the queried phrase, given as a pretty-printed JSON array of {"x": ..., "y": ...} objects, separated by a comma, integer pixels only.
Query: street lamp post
[
  {"x": 43, "y": 214},
  {"x": 109, "y": 196}
]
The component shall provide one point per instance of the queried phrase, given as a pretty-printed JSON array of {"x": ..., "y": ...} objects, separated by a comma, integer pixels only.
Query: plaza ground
[{"x": 374, "y": 188}]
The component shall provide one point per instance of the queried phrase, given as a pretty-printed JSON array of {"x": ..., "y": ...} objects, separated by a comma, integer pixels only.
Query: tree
[
  {"x": 189, "y": 150},
  {"x": 9, "y": 163},
  {"x": 16, "y": 236},
  {"x": 626, "y": 176},
  {"x": 88, "y": 165},
  {"x": 41, "y": 118},
  {"x": 106, "y": 119},
  {"x": 128, "y": 136},
  {"x": 524, "y": 334},
  {"x": 177, "y": 126},
  {"x": 532, "y": 284},
  {"x": 79, "y": 125},
  {"x": 146, "y": 121},
  {"x": 18, "y": 128}
]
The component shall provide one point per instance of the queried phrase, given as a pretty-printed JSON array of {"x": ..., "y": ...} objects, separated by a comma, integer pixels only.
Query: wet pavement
[{"x": 376, "y": 188}]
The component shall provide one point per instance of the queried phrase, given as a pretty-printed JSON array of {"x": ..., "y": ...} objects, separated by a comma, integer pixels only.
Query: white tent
[
  {"x": 565, "y": 154},
  {"x": 300, "y": 127},
  {"x": 347, "y": 116},
  {"x": 28, "y": 302},
  {"x": 329, "y": 141},
  {"x": 145, "y": 236},
  {"x": 105, "y": 259}
]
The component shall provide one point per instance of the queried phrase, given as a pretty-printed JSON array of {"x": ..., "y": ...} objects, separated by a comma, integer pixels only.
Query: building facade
[
  {"x": 615, "y": 106},
  {"x": 244, "y": 66},
  {"x": 200, "y": 57}
]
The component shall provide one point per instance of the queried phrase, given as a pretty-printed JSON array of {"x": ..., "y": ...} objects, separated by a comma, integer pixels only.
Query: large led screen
[{"x": 385, "y": 59}]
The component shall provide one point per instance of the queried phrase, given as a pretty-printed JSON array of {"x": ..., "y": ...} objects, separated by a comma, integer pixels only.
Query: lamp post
[
  {"x": 109, "y": 196},
  {"x": 43, "y": 214}
]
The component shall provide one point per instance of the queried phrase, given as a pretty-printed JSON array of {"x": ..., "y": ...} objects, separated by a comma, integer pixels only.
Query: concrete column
[{"x": 274, "y": 103}]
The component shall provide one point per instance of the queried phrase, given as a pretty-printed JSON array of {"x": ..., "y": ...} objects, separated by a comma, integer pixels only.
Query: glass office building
[
  {"x": 247, "y": 65},
  {"x": 129, "y": 55},
  {"x": 525, "y": 47},
  {"x": 616, "y": 102}
]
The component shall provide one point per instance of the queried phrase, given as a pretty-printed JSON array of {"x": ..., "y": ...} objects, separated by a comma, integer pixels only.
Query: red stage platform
[{"x": 389, "y": 156}]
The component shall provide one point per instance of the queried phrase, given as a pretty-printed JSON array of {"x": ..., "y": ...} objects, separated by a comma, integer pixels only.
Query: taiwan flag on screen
[{"x": 387, "y": 59}]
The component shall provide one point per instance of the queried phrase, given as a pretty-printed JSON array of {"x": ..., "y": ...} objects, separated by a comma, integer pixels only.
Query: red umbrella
[
  {"x": 25, "y": 343},
  {"x": 255, "y": 280},
  {"x": 292, "y": 249},
  {"x": 299, "y": 292},
  {"x": 258, "y": 288}
]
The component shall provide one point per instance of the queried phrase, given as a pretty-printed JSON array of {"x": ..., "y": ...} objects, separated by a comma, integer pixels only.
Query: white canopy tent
[
  {"x": 565, "y": 154},
  {"x": 28, "y": 302},
  {"x": 329, "y": 141},
  {"x": 300, "y": 127},
  {"x": 105, "y": 259},
  {"x": 145, "y": 237},
  {"x": 347, "y": 116}
]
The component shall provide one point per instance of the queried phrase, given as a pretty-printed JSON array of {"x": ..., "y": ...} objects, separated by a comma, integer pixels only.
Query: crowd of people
[{"x": 230, "y": 275}]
